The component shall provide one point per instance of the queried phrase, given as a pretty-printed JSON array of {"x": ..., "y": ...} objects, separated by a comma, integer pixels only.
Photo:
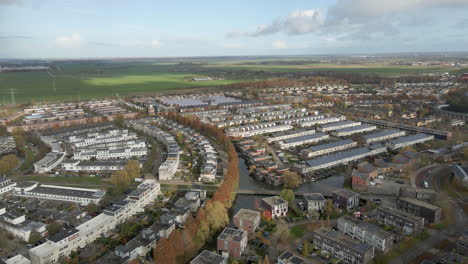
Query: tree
[
  {"x": 164, "y": 252},
  {"x": 329, "y": 209},
  {"x": 288, "y": 195},
  {"x": 34, "y": 237},
  {"x": 291, "y": 179},
  {"x": 53, "y": 228},
  {"x": 92, "y": 208},
  {"x": 8, "y": 163},
  {"x": 132, "y": 168},
  {"x": 120, "y": 178},
  {"x": 305, "y": 249},
  {"x": 216, "y": 215}
]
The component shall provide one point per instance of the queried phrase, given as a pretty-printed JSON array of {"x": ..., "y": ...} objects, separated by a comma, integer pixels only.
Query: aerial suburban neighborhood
[{"x": 331, "y": 132}]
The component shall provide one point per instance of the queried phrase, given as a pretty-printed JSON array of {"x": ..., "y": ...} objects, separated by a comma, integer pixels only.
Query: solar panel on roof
[
  {"x": 296, "y": 260},
  {"x": 287, "y": 255}
]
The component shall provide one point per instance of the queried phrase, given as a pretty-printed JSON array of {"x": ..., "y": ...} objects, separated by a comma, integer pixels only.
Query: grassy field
[
  {"x": 384, "y": 70},
  {"x": 93, "y": 80}
]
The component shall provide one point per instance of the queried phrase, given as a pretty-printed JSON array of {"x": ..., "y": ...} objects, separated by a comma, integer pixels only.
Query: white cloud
[
  {"x": 279, "y": 44},
  {"x": 304, "y": 21},
  {"x": 156, "y": 43},
  {"x": 297, "y": 22},
  {"x": 73, "y": 39}
]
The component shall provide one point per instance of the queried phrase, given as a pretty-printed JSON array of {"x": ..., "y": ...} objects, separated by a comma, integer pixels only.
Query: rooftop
[
  {"x": 232, "y": 234},
  {"x": 410, "y": 138},
  {"x": 67, "y": 191},
  {"x": 63, "y": 234},
  {"x": 314, "y": 196},
  {"x": 399, "y": 213},
  {"x": 274, "y": 200},
  {"x": 207, "y": 257},
  {"x": 344, "y": 240},
  {"x": 382, "y": 133},
  {"x": 331, "y": 145},
  {"x": 303, "y": 138},
  {"x": 247, "y": 214},
  {"x": 346, "y": 193},
  {"x": 419, "y": 203},
  {"x": 337, "y": 156},
  {"x": 291, "y": 257}
]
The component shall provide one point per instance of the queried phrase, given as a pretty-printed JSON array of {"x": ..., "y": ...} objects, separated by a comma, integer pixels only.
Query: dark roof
[
  {"x": 232, "y": 234},
  {"x": 346, "y": 193},
  {"x": 314, "y": 196},
  {"x": 67, "y": 192},
  {"x": 63, "y": 234}
]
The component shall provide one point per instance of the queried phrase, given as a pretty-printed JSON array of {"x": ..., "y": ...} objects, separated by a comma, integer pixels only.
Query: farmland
[
  {"x": 75, "y": 80},
  {"x": 89, "y": 80}
]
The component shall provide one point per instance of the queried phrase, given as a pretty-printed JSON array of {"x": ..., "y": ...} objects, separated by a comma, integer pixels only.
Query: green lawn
[
  {"x": 89, "y": 80},
  {"x": 298, "y": 230},
  {"x": 384, "y": 70}
]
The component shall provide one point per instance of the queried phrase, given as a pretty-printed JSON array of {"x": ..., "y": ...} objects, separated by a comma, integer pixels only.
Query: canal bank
[{"x": 247, "y": 182}]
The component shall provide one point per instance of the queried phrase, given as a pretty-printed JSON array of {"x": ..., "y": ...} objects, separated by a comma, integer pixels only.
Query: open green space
[
  {"x": 77, "y": 80},
  {"x": 384, "y": 70},
  {"x": 87, "y": 80}
]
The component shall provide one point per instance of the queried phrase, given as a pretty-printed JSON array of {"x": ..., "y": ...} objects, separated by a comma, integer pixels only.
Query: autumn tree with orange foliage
[{"x": 164, "y": 252}]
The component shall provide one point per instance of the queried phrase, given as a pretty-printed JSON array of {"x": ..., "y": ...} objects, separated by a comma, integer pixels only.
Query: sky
[{"x": 154, "y": 28}]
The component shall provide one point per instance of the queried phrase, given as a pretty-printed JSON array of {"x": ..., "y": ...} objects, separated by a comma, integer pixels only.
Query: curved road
[{"x": 436, "y": 177}]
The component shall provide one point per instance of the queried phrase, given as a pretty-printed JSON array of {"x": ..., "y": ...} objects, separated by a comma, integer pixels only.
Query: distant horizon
[{"x": 378, "y": 54}]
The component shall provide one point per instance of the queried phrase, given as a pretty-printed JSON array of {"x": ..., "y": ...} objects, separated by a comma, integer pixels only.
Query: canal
[{"x": 246, "y": 182}]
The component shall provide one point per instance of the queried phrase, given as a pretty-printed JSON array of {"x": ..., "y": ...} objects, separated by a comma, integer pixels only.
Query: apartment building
[
  {"x": 347, "y": 131},
  {"x": 207, "y": 257},
  {"x": 93, "y": 166},
  {"x": 409, "y": 140},
  {"x": 422, "y": 194},
  {"x": 68, "y": 240},
  {"x": 345, "y": 199},
  {"x": 366, "y": 232},
  {"x": 339, "y": 158},
  {"x": 247, "y": 220},
  {"x": 342, "y": 247},
  {"x": 302, "y": 140},
  {"x": 232, "y": 241},
  {"x": 18, "y": 226},
  {"x": 169, "y": 167},
  {"x": 314, "y": 202},
  {"x": 432, "y": 214},
  {"x": 49, "y": 162},
  {"x": 383, "y": 135},
  {"x": 410, "y": 224},
  {"x": 276, "y": 206},
  {"x": 337, "y": 125},
  {"x": 6, "y": 185},
  {"x": 291, "y": 257},
  {"x": 256, "y": 129},
  {"x": 7, "y": 144},
  {"x": 60, "y": 193},
  {"x": 289, "y": 134},
  {"x": 327, "y": 148},
  {"x": 321, "y": 121}
]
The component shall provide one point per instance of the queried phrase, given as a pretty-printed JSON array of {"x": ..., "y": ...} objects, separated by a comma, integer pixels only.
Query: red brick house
[{"x": 247, "y": 220}]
